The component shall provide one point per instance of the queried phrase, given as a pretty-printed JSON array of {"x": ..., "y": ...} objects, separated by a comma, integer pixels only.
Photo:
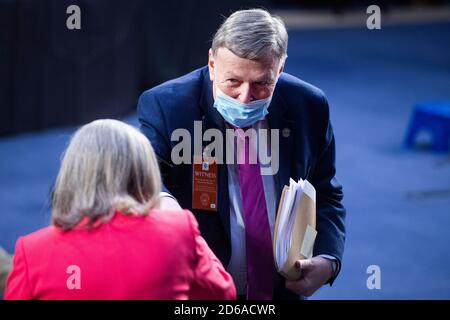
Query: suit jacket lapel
[
  {"x": 278, "y": 119},
  {"x": 213, "y": 119}
]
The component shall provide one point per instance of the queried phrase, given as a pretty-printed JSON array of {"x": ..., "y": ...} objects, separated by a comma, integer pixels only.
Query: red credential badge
[{"x": 204, "y": 184}]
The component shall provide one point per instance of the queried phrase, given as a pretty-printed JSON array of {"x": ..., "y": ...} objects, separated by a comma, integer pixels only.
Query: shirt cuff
[{"x": 335, "y": 265}]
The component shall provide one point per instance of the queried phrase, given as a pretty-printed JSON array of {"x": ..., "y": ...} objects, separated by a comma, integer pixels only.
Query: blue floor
[{"x": 398, "y": 200}]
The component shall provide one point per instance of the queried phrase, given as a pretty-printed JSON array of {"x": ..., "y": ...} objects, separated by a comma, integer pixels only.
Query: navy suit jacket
[{"x": 308, "y": 152}]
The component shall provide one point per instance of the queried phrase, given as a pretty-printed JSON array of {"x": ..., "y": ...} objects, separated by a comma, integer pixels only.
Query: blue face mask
[{"x": 240, "y": 114}]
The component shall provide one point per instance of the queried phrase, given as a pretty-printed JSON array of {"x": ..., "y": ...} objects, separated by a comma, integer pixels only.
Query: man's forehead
[
  {"x": 228, "y": 58},
  {"x": 245, "y": 68},
  {"x": 257, "y": 74}
]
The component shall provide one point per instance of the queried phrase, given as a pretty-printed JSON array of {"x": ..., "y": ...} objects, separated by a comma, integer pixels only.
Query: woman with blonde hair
[{"x": 108, "y": 239}]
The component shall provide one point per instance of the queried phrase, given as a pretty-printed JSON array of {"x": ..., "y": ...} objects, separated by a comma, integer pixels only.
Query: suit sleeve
[
  {"x": 18, "y": 284},
  {"x": 330, "y": 211},
  {"x": 153, "y": 126},
  {"x": 211, "y": 281}
]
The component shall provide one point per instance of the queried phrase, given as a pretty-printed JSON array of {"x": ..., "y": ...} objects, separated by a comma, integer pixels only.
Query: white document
[{"x": 295, "y": 233}]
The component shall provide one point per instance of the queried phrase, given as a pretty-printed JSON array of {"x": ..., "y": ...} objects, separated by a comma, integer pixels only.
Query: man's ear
[{"x": 211, "y": 64}]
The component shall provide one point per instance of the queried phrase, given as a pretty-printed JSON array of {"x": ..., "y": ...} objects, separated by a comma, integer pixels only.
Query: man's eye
[{"x": 232, "y": 81}]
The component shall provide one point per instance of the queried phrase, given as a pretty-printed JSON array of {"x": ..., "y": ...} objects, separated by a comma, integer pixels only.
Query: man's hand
[{"x": 315, "y": 272}]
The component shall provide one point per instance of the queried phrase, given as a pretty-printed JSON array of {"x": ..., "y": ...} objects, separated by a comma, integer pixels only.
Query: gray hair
[
  {"x": 108, "y": 166},
  {"x": 252, "y": 34}
]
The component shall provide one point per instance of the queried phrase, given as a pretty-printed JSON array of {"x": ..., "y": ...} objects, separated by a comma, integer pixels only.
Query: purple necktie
[{"x": 258, "y": 240}]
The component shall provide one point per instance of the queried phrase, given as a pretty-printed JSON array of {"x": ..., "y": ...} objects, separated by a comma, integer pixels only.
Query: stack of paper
[{"x": 295, "y": 233}]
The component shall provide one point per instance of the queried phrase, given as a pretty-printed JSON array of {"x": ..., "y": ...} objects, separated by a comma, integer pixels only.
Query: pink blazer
[{"x": 159, "y": 256}]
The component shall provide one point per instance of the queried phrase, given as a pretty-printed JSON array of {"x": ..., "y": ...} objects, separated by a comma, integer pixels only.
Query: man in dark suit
[{"x": 243, "y": 88}]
